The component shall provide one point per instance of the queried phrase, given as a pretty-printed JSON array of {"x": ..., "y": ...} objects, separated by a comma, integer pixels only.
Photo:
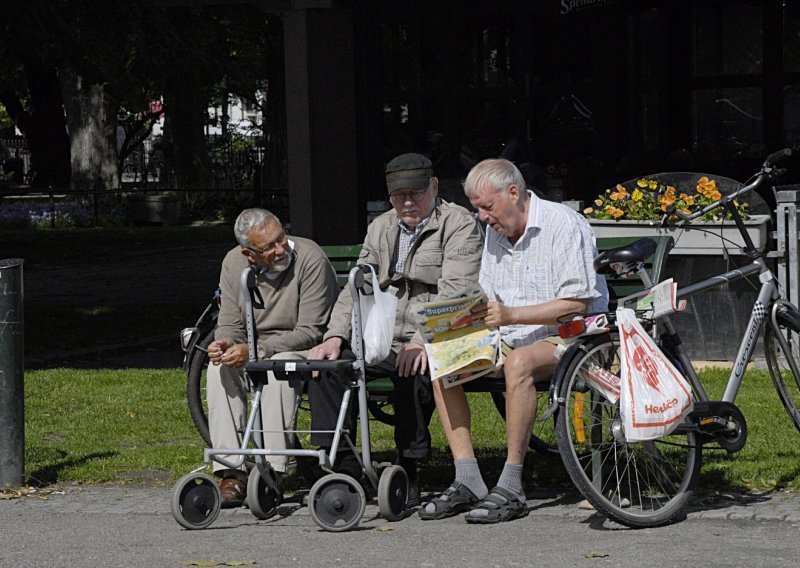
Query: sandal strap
[
  {"x": 499, "y": 497},
  {"x": 454, "y": 488}
]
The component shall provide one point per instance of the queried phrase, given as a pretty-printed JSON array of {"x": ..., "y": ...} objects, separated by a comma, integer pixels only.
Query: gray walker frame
[{"x": 336, "y": 501}]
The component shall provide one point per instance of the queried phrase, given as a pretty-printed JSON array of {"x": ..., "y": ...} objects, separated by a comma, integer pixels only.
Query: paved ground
[{"x": 119, "y": 526}]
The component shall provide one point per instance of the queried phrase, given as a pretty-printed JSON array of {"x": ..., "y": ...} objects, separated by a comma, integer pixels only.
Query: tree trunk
[
  {"x": 91, "y": 124},
  {"x": 275, "y": 170},
  {"x": 44, "y": 128},
  {"x": 185, "y": 145}
]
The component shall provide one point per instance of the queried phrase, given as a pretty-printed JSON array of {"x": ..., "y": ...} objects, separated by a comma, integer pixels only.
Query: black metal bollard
[{"x": 12, "y": 371}]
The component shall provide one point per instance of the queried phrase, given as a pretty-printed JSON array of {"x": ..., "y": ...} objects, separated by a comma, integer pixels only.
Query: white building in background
[{"x": 244, "y": 116}]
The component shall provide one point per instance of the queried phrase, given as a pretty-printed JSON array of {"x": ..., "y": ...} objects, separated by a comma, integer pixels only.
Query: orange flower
[{"x": 621, "y": 193}]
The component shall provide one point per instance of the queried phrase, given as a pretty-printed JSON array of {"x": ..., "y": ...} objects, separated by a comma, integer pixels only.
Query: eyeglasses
[
  {"x": 398, "y": 197},
  {"x": 270, "y": 248}
]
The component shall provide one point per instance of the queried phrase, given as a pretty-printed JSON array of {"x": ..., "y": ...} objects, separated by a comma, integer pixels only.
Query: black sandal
[
  {"x": 454, "y": 500},
  {"x": 501, "y": 505}
]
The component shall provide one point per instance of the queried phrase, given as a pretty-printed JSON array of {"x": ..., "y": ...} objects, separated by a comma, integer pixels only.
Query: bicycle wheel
[
  {"x": 196, "y": 386},
  {"x": 637, "y": 484},
  {"x": 784, "y": 365}
]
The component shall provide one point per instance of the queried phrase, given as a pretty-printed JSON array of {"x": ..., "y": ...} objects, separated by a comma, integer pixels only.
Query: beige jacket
[
  {"x": 444, "y": 263},
  {"x": 296, "y": 305}
]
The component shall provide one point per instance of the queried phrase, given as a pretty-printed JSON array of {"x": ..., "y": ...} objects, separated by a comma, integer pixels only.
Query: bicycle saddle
[{"x": 625, "y": 260}]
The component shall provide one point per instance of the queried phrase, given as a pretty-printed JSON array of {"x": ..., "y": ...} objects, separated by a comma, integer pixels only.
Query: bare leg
[
  {"x": 523, "y": 367},
  {"x": 455, "y": 417}
]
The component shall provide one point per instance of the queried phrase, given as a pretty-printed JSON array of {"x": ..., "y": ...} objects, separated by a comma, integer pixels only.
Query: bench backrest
[{"x": 345, "y": 257}]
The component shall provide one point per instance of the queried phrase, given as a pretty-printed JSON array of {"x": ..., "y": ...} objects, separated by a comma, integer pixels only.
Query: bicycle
[{"x": 646, "y": 484}]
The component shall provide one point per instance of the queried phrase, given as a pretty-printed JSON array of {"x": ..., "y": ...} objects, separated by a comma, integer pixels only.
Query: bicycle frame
[{"x": 768, "y": 302}]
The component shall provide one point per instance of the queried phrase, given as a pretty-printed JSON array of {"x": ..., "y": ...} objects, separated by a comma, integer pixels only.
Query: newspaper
[
  {"x": 661, "y": 300},
  {"x": 459, "y": 344}
]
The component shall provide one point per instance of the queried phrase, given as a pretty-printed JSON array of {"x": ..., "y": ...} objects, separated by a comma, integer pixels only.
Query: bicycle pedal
[{"x": 713, "y": 424}]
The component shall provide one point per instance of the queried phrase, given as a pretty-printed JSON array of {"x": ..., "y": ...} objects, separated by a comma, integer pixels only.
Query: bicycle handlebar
[{"x": 766, "y": 173}]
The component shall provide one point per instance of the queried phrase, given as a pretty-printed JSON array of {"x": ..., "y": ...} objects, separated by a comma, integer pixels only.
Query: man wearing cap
[{"x": 429, "y": 250}]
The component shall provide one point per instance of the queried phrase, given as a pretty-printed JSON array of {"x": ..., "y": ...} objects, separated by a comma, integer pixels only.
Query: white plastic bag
[
  {"x": 378, "y": 312},
  {"x": 654, "y": 397}
]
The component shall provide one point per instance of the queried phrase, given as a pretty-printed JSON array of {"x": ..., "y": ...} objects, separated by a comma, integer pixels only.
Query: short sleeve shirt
[{"x": 551, "y": 260}]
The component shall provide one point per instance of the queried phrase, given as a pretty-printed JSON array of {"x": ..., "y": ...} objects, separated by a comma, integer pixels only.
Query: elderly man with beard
[{"x": 296, "y": 290}]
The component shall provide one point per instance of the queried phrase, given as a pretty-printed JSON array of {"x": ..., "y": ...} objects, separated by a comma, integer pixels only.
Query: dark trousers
[{"x": 412, "y": 401}]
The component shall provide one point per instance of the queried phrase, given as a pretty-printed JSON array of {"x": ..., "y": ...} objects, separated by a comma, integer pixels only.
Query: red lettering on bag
[{"x": 660, "y": 409}]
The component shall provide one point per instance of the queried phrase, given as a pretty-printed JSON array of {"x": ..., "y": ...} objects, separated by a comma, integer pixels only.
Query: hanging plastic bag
[
  {"x": 378, "y": 312},
  {"x": 654, "y": 397}
]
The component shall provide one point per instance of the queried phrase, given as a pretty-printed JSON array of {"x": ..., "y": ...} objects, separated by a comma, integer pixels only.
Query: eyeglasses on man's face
[
  {"x": 400, "y": 197},
  {"x": 282, "y": 239}
]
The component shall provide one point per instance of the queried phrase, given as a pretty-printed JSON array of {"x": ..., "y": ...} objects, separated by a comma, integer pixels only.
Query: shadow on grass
[{"x": 50, "y": 473}]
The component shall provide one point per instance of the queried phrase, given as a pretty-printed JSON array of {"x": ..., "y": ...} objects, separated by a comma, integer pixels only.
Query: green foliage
[{"x": 5, "y": 120}]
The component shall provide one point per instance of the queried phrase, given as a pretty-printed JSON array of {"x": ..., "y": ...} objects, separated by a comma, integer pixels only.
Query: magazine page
[
  {"x": 661, "y": 300},
  {"x": 459, "y": 345}
]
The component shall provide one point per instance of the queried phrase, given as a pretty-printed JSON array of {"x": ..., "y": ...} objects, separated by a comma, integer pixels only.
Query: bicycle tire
[
  {"x": 543, "y": 435},
  {"x": 196, "y": 386},
  {"x": 786, "y": 382},
  {"x": 637, "y": 484},
  {"x": 130, "y": 173}
]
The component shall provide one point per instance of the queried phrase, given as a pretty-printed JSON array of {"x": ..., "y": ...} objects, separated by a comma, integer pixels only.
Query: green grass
[{"x": 132, "y": 426}]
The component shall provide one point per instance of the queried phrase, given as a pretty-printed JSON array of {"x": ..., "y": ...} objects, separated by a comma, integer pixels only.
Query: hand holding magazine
[{"x": 459, "y": 344}]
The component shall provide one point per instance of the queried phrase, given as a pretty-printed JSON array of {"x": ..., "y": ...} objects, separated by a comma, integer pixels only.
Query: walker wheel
[
  {"x": 263, "y": 493},
  {"x": 195, "y": 501},
  {"x": 393, "y": 493},
  {"x": 337, "y": 502}
]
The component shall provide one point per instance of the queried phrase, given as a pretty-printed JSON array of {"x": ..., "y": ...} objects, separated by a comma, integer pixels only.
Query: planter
[
  {"x": 702, "y": 238},
  {"x": 159, "y": 209}
]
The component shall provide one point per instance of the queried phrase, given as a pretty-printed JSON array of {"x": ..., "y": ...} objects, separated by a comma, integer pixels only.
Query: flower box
[{"x": 698, "y": 238}]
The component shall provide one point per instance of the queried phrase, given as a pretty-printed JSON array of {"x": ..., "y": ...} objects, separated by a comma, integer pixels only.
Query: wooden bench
[{"x": 345, "y": 257}]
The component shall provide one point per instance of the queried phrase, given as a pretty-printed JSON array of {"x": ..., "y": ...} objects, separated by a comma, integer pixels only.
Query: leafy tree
[{"x": 74, "y": 70}]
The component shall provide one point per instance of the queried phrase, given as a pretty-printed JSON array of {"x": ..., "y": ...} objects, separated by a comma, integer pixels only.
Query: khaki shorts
[{"x": 556, "y": 340}]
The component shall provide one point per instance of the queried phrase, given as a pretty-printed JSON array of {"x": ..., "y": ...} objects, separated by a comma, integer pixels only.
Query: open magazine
[{"x": 460, "y": 346}]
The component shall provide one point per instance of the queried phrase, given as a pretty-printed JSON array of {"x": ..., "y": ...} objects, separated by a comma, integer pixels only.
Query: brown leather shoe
[{"x": 232, "y": 492}]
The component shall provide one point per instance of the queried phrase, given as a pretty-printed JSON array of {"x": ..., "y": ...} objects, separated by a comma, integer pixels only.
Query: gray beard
[{"x": 278, "y": 266}]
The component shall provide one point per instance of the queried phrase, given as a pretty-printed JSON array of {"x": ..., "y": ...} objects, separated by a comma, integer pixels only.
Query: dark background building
[{"x": 581, "y": 94}]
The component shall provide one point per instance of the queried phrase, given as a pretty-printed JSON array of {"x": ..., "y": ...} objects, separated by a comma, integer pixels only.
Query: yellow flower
[{"x": 648, "y": 199}]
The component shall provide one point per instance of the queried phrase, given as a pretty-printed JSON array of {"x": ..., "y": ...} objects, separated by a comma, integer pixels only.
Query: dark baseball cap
[{"x": 408, "y": 171}]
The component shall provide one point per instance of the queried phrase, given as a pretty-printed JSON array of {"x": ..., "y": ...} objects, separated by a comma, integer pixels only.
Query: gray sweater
[{"x": 296, "y": 305}]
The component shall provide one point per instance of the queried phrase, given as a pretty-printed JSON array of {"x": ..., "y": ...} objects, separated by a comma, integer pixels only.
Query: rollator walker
[{"x": 336, "y": 501}]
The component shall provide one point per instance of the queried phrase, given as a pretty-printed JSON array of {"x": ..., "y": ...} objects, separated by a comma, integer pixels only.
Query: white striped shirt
[{"x": 551, "y": 260}]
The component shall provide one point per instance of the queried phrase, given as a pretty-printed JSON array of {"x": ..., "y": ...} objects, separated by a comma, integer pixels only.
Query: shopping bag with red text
[{"x": 654, "y": 397}]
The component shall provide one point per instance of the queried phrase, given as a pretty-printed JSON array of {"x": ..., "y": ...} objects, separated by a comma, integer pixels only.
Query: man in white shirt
[{"x": 536, "y": 267}]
